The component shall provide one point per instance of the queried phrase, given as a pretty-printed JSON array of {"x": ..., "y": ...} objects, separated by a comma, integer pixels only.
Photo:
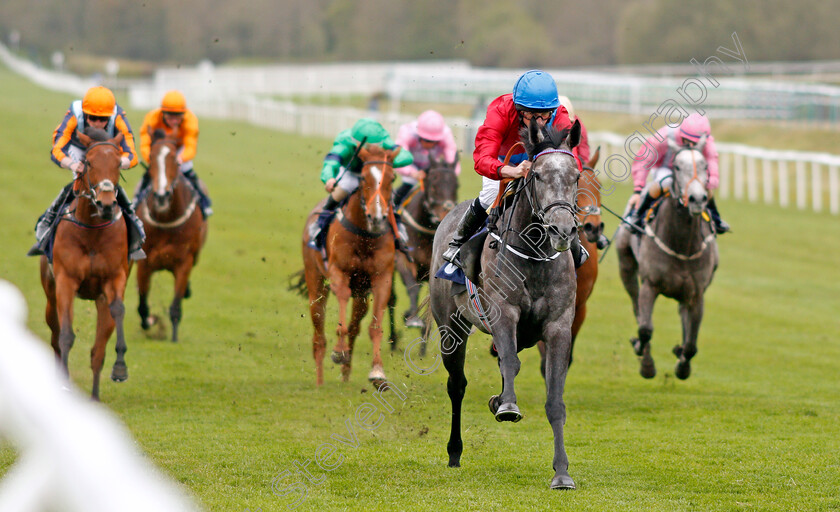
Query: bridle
[
  {"x": 538, "y": 212},
  {"x": 105, "y": 185},
  {"x": 367, "y": 204},
  {"x": 682, "y": 198},
  {"x": 170, "y": 189},
  {"x": 430, "y": 202}
]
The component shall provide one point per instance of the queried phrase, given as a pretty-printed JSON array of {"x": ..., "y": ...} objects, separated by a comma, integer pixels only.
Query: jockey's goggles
[{"x": 544, "y": 115}]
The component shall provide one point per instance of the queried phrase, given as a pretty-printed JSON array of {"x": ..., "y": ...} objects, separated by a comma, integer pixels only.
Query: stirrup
[
  {"x": 35, "y": 250},
  {"x": 721, "y": 227},
  {"x": 138, "y": 254},
  {"x": 452, "y": 254},
  {"x": 584, "y": 257}
]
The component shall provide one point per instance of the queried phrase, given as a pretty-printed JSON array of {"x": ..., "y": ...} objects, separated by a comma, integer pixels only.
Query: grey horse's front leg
[
  {"x": 644, "y": 319},
  {"x": 691, "y": 315},
  {"x": 558, "y": 343},
  {"x": 504, "y": 337}
]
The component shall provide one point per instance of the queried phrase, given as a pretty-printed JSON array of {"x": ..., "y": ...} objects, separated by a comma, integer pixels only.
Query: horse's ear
[
  {"x": 672, "y": 144},
  {"x": 118, "y": 139},
  {"x": 454, "y": 161},
  {"x": 84, "y": 139},
  {"x": 392, "y": 154},
  {"x": 574, "y": 135},
  {"x": 535, "y": 135},
  {"x": 701, "y": 143},
  {"x": 363, "y": 154},
  {"x": 593, "y": 158}
]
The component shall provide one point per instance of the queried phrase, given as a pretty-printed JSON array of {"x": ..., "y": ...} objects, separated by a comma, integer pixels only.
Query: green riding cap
[{"x": 346, "y": 142}]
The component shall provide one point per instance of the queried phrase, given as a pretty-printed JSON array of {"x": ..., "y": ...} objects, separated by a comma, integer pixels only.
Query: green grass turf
[{"x": 234, "y": 404}]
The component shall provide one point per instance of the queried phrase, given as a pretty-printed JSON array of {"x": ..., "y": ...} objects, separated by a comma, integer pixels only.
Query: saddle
[{"x": 471, "y": 260}]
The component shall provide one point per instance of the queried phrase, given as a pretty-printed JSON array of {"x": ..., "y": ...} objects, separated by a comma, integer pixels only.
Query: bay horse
[
  {"x": 359, "y": 261},
  {"x": 524, "y": 294},
  {"x": 90, "y": 258},
  {"x": 430, "y": 201},
  {"x": 676, "y": 257},
  {"x": 175, "y": 229},
  {"x": 588, "y": 201}
]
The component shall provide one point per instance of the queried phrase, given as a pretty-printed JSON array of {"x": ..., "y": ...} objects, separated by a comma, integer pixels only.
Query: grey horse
[
  {"x": 676, "y": 257},
  {"x": 526, "y": 289}
]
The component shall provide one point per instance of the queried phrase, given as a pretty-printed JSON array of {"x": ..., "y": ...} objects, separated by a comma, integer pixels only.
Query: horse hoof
[
  {"x": 637, "y": 346},
  {"x": 494, "y": 404},
  {"x": 677, "y": 350},
  {"x": 377, "y": 374},
  {"x": 338, "y": 357},
  {"x": 647, "y": 368},
  {"x": 414, "y": 321},
  {"x": 508, "y": 412},
  {"x": 683, "y": 370},
  {"x": 562, "y": 483},
  {"x": 119, "y": 373}
]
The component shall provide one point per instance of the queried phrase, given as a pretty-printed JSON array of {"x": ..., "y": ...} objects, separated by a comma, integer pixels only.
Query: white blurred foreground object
[{"x": 74, "y": 456}]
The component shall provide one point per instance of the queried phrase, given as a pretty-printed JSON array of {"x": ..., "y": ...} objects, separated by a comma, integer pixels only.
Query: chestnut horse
[
  {"x": 360, "y": 260},
  {"x": 90, "y": 258},
  {"x": 175, "y": 229},
  {"x": 422, "y": 212}
]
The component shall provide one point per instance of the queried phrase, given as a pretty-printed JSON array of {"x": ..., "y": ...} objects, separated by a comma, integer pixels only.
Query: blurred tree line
[{"x": 514, "y": 33}]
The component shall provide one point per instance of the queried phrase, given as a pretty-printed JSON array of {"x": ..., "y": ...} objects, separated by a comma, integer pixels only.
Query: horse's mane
[
  {"x": 96, "y": 134},
  {"x": 158, "y": 135},
  {"x": 554, "y": 138}
]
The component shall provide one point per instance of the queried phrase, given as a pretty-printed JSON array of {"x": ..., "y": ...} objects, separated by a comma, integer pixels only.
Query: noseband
[
  {"x": 682, "y": 198},
  {"x": 103, "y": 186},
  {"x": 367, "y": 204},
  {"x": 541, "y": 212},
  {"x": 170, "y": 190}
]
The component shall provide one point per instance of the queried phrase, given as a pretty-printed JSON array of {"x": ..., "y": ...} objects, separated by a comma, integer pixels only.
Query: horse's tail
[
  {"x": 300, "y": 286},
  {"x": 424, "y": 311}
]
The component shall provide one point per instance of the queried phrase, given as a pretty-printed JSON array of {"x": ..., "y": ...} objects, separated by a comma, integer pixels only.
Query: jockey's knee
[
  {"x": 655, "y": 190},
  {"x": 339, "y": 194}
]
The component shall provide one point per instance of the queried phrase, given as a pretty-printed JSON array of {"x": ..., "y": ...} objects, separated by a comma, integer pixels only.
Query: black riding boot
[
  {"x": 721, "y": 226},
  {"x": 637, "y": 216},
  {"x": 136, "y": 234},
  {"x": 579, "y": 252},
  {"x": 318, "y": 229},
  {"x": 400, "y": 193},
  {"x": 142, "y": 190},
  {"x": 45, "y": 223},
  {"x": 470, "y": 223},
  {"x": 203, "y": 199}
]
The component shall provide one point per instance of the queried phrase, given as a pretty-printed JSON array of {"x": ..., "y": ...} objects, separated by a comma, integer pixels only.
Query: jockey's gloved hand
[
  {"x": 125, "y": 163},
  {"x": 77, "y": 168}
]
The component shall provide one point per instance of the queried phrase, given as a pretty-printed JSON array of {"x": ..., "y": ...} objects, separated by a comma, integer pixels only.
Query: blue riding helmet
[{"x": 535, "y": 90}]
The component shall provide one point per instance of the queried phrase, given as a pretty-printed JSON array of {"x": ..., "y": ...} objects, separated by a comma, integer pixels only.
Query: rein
[
  {"x": 537, "y": 211},
  {"x": 147, "y": 217},
  {"x": 367, "y": 204},
  {"x": 670, "y": 252}
]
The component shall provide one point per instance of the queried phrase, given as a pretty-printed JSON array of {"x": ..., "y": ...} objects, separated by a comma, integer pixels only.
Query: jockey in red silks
[
  {"x": 534, "y": 100},
  {"x": 690, "y": 131}
]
